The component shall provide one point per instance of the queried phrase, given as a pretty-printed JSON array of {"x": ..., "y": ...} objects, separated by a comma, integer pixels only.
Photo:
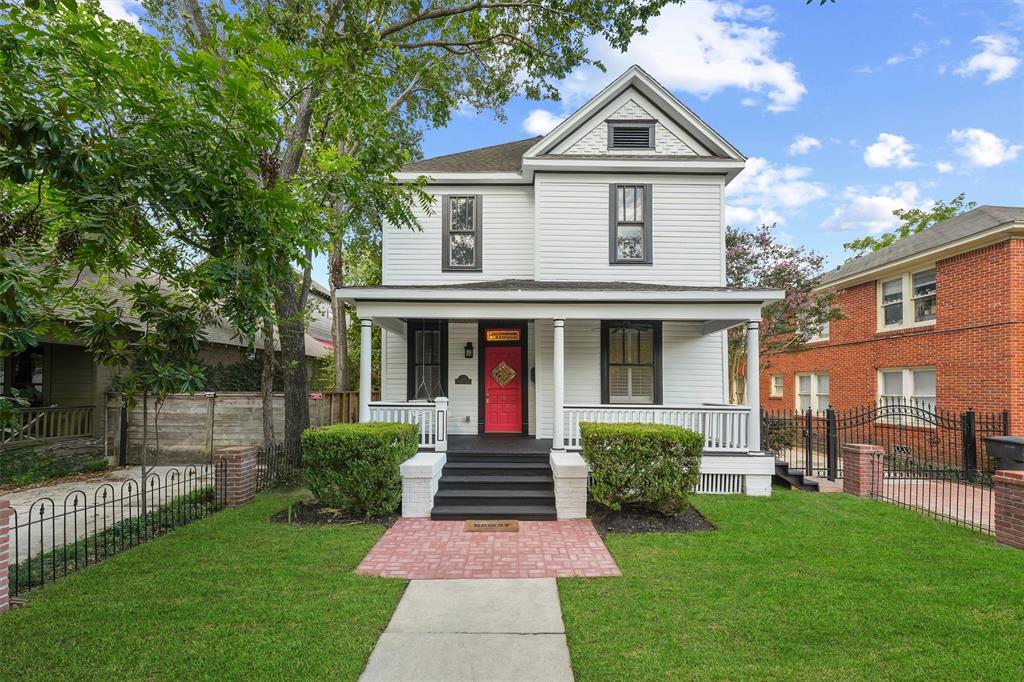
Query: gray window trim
[
  {"x": 612, "y": 124},
  {"x": 446, "y": 244},
  {"x": 613, "y": 212}
]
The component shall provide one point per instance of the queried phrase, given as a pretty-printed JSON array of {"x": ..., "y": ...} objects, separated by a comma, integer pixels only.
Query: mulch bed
[
  {"x": 632, "y": 519},
  {"x": 311, "y": 512}
]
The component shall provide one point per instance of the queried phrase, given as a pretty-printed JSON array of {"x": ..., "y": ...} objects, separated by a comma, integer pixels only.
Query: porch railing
[
  {"x": 430, "y": 417},
  {"x": 49, "y": 423},
  {"x": 724, "y": 426}
]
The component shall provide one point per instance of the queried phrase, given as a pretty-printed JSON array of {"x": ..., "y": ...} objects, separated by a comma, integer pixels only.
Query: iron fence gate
[{"x": 933, "y": 459}]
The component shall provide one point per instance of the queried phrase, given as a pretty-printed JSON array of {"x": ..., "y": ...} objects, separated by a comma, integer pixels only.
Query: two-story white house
[{"x": 578, "y": 276}]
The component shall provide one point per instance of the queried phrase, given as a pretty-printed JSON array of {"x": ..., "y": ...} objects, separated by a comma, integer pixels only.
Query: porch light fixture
[{"x": 469, "y": 350}]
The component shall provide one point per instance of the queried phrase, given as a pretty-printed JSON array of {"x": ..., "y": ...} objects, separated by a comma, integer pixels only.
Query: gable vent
[{"x": 632, "y": 136}]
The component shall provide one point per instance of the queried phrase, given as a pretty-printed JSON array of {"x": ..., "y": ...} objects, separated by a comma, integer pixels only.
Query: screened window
[
  {"x": 631, "y": 351},
  {"x": 462, "y": 232},
  {"x": 630, "y": 224},
  {"x": 812, "y": 391},
  {"x": 907, "y": 386},
  {"x": 892, "y": 302},
  {"x": 428, "y": 359}
]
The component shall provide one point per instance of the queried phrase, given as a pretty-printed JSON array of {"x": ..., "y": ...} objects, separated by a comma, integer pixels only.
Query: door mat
[{"x": 491, "y": 526}]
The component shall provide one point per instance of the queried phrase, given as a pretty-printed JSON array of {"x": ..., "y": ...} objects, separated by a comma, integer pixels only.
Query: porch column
[
  {"x": 558, "y": 375},
  {"x": 365, "y": 367},
  {"x": 754, "y": 385}
]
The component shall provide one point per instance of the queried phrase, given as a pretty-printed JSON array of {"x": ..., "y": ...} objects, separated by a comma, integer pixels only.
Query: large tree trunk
[
  {"x": 291, "y": 332},
  {"x": 267, "y": 382},
  {"x": 339, "y": 321}
]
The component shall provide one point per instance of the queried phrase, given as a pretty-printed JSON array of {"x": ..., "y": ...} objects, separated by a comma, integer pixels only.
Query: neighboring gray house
[{"x": 578, "y": 276}]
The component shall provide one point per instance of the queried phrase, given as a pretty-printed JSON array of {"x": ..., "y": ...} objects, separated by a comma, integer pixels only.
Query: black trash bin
[{"x": 1008, "y": 451}]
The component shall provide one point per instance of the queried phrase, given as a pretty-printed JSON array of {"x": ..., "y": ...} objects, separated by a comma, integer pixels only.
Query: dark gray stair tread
[
  {"x": 497, "y": 511},
  {"x": 532, "y": 459},
  {"x": 497, "y": 465},
  {"x": 491, "y": 492},
  {"x": 496, "y": 478}
]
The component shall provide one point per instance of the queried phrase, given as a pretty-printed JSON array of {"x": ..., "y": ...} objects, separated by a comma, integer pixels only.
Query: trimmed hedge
[
  {"x": 354, "y": 467},
  {"x": 652, "y": 465}
]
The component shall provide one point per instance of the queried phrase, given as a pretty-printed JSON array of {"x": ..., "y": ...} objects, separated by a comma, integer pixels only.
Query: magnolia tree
[{"x": 759, "y": 258}]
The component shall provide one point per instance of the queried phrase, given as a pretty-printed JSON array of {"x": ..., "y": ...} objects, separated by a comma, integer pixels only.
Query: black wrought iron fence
[
  {"x": 277, "y": 465},
  {"x": 913, "y": 435},
  {"x": 52, "y": 538}
]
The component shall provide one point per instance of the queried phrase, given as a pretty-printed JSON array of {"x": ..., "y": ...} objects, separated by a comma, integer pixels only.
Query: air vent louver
[{"x": 631, "y": 137}]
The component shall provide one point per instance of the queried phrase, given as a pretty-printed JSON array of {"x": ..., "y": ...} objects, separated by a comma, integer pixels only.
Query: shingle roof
[
  {"x": 965, "y": 225},
  {"x": 506, "y": 157}
]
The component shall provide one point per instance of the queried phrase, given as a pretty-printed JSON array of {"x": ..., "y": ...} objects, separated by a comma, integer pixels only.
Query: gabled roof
[
  {"x": 636, "y": 78},
  {"x": 967, "y": 227},
  {"x": 515, "y": 162},
  {"x": 505, "y": 157}
]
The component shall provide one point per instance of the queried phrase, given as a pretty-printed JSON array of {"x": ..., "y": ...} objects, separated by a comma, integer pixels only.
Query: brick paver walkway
[{"x": 421, "y": 549}]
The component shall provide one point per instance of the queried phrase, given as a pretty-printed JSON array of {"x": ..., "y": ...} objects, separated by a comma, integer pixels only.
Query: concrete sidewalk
[{"x": 474, "y": 630}]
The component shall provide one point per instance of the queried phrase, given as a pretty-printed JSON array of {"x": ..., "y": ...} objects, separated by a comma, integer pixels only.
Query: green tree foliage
[
  {"x": 759, "y": 258},
  {"x": 912, "y": 221}
]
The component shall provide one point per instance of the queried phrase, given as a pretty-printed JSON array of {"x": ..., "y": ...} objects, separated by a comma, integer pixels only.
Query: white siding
[
  {"x": 572, "y": 229},
  {"x": 393, "y": 384},
  {"x": 414, "y": 257},
  {"x": 462, "y": 399},
  {"x": 691, "y": 366}
]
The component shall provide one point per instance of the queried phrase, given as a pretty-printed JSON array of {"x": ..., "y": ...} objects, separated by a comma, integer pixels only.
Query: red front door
[{"x": 503, "y": 389}]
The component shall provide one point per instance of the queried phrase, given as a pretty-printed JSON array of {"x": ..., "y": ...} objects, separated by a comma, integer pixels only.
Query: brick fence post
[
  {"x": 862, "y": 469},
  {"x": 1008, "y": 506},
  {"x": 6, "y": 514},
  {"x": 238, "y": 476}
]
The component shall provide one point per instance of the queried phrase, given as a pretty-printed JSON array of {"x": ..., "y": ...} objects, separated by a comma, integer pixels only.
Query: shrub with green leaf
[
  {"x": 354, "y": 467},
  {"x": 651, "y": 465}
]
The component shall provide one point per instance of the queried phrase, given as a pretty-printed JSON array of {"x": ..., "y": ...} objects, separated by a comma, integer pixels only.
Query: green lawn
[
  {"x": 229, "y": 597},
  {"x": 802, "y": 586}
]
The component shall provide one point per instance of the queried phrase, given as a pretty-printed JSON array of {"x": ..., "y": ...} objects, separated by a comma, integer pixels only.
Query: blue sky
[{"x": 845, "y": 111}]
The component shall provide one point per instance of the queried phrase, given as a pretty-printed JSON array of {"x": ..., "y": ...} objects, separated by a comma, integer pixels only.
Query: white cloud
[
  {"x": 915, "y": 53},
  {"x": 541, "y": 122},
  {"x": 701, "y": 48},
  {"x": 999, "y": 58},
  {"x": 123, "y": 10},
  {"x": 983, "y": 148},
  {"x": 866, "y": 212},
  {"x": 803, "y": 144},
  {"x": 944, "y": 167},
  {"x": 889, "y": 151},
  {"x": 762, "y": 190}
]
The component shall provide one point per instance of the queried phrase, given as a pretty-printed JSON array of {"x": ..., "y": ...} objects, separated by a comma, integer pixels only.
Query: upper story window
[
  {"x": 462, "y": 231},
  {"x": 631, "y": 354},
  {"x": 820, "y": 334},
  {"x": 907, "y": 300},
  {"x": 629, "y": 224},
  {"x": 630, "y": 134}
]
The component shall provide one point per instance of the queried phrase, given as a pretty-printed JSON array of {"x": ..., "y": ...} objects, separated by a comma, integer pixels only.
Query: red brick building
[{"x": 937, "y": 318}]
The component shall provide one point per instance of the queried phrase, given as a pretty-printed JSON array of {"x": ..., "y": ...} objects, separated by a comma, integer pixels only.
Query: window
[
  {"x": 629, "y": 224},
  {"x": 907, "y": 300},
  {"x": 462, "y": 222},
  {"x": 631, "y": 134},
  {"x": 812, "y": 391},
  {"x": 821, "y": 334},
  {"x": 27, "y": 376},
  {"x": 907, "y": 386},
  {"x": 778, "y": 384},
  {"x": 428, "y": 359},
  {"x": 631, "y": 367}
]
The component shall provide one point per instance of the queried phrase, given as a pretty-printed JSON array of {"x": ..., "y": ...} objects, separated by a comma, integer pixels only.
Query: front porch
[{"x": 493, "y": 371}]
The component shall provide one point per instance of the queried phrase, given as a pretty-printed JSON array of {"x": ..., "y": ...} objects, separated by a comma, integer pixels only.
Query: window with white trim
[
  {"x": 820, "y": 334},
  {"x": 907, "y": 386},
  {"x": 778, "y": 384},
  {"x": 907, "y": 300},
  {"x": 812, "y": 391}
]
